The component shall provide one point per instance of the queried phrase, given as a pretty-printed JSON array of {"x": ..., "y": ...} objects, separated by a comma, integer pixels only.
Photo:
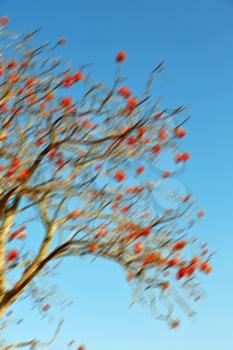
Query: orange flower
[
  {"x": 74, "y": 214},
  {"x": 130, "y": 276},
  {"x": 141, "y": 131},
  {"x": 92, "y": 247},
  {"x": 138, "y": 248},
  {"x": 13, "y": 78},
  {"x": 49, "y": 97},
  {"x": 32, "y": 99}
]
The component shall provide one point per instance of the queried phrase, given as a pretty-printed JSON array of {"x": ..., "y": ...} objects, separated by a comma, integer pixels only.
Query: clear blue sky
[{"x": 195, "y": 40}]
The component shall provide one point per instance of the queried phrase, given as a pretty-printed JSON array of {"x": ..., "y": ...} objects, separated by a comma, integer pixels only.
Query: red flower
[
  {"x": 194, "y": 261},
  {"x": 40, "y": 142},
  {"x": 101, "y": 233},
  {"x": 178, "y": 158},
  {"x": 165, "y": 285},
  {"x": 186, "y": 156},
  {"x": 149, "y": 259},
  {"x": 162, "y": 134},
  {"x": 24, "y": 174},
  {"x": 206, "y": 267},
  {"x": 30, "y": 81},
  {"x": 119, "y": 196},
  {"x": 186, "y": 198},
  {"x": 173, "y": 262},
  {"x": 181, "y": 273},
  {"x": 115, "y": 206},
  {"x": 200, "y": 213},
  {"x": 166, "y": 174},
  {"x": 66, "y": 102},
  {"x": 12, "y": 255},
  {"x": 124, "y": 91},
  {"x": 174, "y": 323},
  {"x": 132, "y": 140},
  {"x": 78, "y": 76},
  {"x": 59, "y": 162},
  {"x": 12, "y": 65},
  {"x": 121, "y": 56},
  {"x": 125, "y": 209},
  {"x": 81, "y": 348},
  {"x": 140, "y": 170},
  {"x": 46, "y": 307},
  {"x": 98, "y": 166},
  {"x": 120, "y": 176},
  {"x": 4, "y": 20},
  {"x": 158, "y": 116},
  {"x": 138, "y": 248},
  {"x": 132, "y": 103},
  {"x": 67, "y": 81},
  {"x": 61, "y": 41},
  {"x": 204, "y": 252},
  {"x": 190, "y": 270},
  {"x": 179, "y": 245},
  {"x": 15, "y": 163},
  {"x": 146, "y": 231},
  {"x": 179, "y": 132},
  {"x": 156, "y": 149}
]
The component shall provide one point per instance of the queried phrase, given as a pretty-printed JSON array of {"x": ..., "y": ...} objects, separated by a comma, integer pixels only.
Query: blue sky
[{"x": 195, "y": 40}]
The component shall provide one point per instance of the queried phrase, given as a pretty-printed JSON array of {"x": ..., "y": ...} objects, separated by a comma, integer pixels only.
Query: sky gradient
[{"x": 194, "y": 38}]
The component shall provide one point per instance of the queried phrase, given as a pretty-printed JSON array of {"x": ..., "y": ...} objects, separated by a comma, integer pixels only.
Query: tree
[{"x": 79, "y": 170}]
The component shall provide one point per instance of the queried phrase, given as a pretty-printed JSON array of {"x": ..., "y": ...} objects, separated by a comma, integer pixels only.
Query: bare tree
[{"x": 84, "y": 170}]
